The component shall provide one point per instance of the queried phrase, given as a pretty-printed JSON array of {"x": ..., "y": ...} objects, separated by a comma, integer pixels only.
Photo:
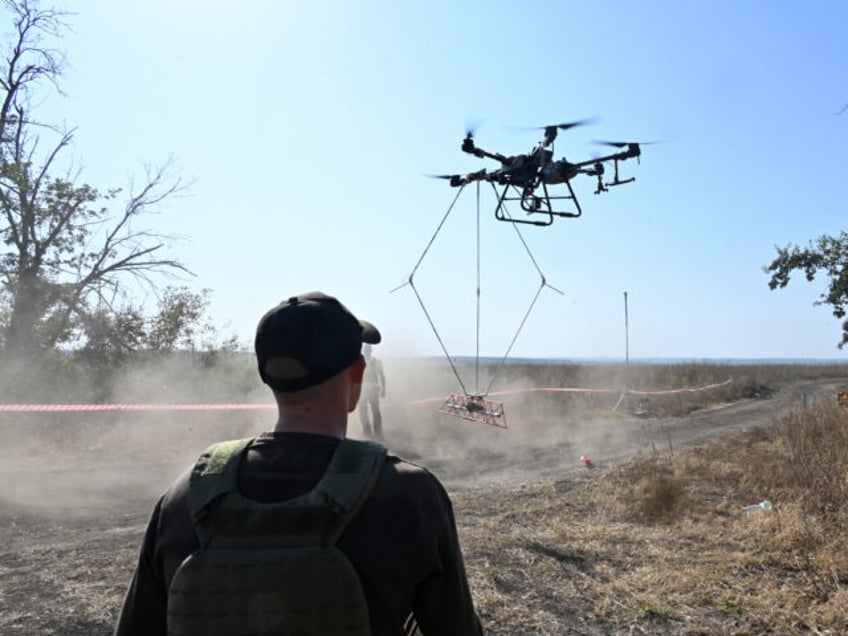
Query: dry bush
[
  {"x": 650, "y": 491},
  {"x": 815, "y": 446}
]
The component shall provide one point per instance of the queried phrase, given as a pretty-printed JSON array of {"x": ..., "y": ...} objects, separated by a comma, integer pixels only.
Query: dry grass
[{"x": 662, "y": 545}]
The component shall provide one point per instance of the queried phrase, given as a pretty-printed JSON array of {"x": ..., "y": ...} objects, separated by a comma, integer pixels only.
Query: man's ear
[{"x": 357, "y": 370}]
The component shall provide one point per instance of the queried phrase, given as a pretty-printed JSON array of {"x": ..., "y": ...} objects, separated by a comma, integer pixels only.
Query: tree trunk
[{"x": 21, "y": 330}]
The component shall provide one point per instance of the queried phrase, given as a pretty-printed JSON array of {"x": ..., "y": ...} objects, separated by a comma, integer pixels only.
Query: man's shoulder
[
  {"x": 406, "y": 466},
  {"x": 399, "y": 476},
  {"x": 410, "y": 478},
  {"x": 177, "y": 493}
]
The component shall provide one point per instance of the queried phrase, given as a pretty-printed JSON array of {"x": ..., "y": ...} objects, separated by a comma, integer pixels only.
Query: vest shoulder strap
[
  {"x": 324, "y": 512},
  {"x": 215, "y": 473}
]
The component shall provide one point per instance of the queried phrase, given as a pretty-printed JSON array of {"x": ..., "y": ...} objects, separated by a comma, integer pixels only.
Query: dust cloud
[
  {"x": 76, "y": 462},
  {"x": 73, "y": 461},
  {"x": 547, "y": 432}
]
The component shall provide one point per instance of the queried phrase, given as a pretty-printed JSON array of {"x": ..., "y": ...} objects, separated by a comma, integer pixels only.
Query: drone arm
[
  {"x": 504, "y": 161},
  {"x": 590, "y": 167},
  {"x": 618, "y": 156},
  {"x": 469, "y": 147},
  {"x": 480, "y": 153}
]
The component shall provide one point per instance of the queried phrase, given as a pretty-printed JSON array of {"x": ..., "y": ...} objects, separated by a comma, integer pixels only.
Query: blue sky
[{"x": 307, "y": 130}]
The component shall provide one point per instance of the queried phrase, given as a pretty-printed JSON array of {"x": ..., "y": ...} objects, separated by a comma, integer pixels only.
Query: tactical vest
[{"x": 273, "y": 569}]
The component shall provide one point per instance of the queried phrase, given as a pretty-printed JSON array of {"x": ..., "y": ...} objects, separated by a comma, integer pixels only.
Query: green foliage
[
  {"x": 828, "y": 255},
  {"x": 113, "y": 337},
  {"x": 174, "y": 348},
  {"x": 179, "y": 321}
]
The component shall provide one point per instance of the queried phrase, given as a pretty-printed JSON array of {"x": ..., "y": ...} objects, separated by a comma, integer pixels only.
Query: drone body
[{"x": 525, "y": 178}]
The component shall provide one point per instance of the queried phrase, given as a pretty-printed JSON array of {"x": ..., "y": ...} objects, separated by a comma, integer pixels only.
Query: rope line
[
  {"x": 259, "y": 407},
  {"x": 134, "y": 407},
  {"x": 587, "y": 390}
]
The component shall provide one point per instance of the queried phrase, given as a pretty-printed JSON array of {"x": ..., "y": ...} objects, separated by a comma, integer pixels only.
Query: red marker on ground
[{"x": 585, "y": 459}]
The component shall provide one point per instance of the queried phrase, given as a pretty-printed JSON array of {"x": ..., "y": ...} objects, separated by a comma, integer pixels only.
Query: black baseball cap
[{"x": 308, "y": 339}]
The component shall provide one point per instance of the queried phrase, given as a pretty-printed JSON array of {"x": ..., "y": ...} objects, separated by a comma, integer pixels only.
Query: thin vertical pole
[
  {"x": 626, "y": 358},
  {"x": 626, "y": 334}
]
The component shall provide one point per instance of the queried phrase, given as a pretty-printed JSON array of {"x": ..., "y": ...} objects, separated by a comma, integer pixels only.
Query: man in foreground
[{"x": 300, "y": 529}]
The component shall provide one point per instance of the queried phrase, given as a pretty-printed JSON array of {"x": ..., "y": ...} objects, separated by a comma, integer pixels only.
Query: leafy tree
[
  {"x": 179, "y": 320},
  {"x": 70, "y": 250},
  {"x": 181, "y": 324},
  {"x": 114, "y": 339},
  {"x": 827, "y": 254}
]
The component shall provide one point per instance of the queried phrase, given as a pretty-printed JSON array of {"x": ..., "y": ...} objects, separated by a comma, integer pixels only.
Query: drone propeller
[
  {"x": 562, "y": 126},
  {"x": 551, "y": 131},
  {"x": 471, "y": 127},
  {"x": 456, "y": 180},
  {"x": 624, "y": 144},
  {"x": 568, "y": 125},
  {"x": 634, "y": 148}
]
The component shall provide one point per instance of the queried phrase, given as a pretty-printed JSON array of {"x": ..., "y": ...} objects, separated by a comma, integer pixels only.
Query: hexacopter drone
[{"x": 526, "y": 177}]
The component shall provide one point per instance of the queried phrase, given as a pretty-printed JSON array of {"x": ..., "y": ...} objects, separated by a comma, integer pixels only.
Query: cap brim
[{"x": 370, "y": 334}]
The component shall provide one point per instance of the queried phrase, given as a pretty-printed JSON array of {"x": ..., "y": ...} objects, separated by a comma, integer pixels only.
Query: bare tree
[{"x": 68, "y": 253}]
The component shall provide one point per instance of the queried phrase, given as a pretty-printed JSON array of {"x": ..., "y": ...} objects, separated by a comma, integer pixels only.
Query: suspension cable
[
  {"x": 430, "y": 244},
  {"x": 543, "y": 283},
  {"x": 502, "y": 363},
  {"x": 418, "y": 296},
  {"x": 477, "y": 356},
  {"x": 438, "y": 337}
]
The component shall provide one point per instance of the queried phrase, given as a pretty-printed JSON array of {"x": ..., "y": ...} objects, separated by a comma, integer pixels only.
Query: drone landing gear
[
  {"x": 534, "y": 204},
  {"x": 476, "y": 408},
  {"x": 616, "y": 181}
]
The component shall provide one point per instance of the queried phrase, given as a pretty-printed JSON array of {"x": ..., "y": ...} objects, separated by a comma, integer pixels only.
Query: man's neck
[{"x": 330, "y": 428}]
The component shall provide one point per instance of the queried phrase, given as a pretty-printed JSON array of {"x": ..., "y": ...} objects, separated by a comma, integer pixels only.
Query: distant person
[
  {"x": 373, "y": 388},
  {"x": 301, "y": 530}
]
